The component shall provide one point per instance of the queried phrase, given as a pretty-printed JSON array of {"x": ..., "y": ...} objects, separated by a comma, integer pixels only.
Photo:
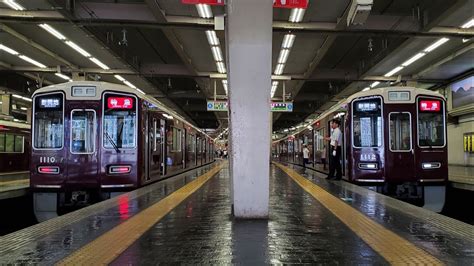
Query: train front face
[{"x": 84, "y": 145}]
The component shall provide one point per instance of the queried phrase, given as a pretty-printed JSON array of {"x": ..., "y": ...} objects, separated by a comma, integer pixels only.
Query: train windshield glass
[
  {"x": 119, "y": 129},
  {"x": 48, "y": 121},
  {"x": 367, "y": 123},
  {"x": 431, "y": 123}
]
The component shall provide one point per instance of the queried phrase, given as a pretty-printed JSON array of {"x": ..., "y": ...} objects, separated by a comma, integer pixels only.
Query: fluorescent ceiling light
[
  {"x": 413, "y": 59},
  {"x": 366, "y": 89},
  {"x": 468, "y": 24},
  {"x": 26, "y": 99},
  {"x": 63, "y": 76},
  {"x": 168, "y": 116},
  {"x": 204, "y": 11},
  {"x": 275, "y": 83},
  {"x": 119, "y": 78},
  {"x": 283, "y": 56},
  {"x": 12, "y": 4},
  {"x": 216, "y": 52},
  {"x": 51, "y": 30},
  {"x": 374, "y": 84},
  {"x": 126, "y": 82},
  {"x": 140, "y": 91},
  {"x": 285, "y": 130},
  {"x": 221, "y": 67},
  {"x": 297, "y": 15},
  {"x": 8, "y": 50},
  {"x": 23, "y": 108},
  {"x": 78, "y": 49},
  {"x": 212, "y": 37},
  {"x": 100, "y": 64},
  {"x": 435, "y": 45},
  {"x": 224, "y": 84},
  {"x": 279, "y": 69},
  {"x": 288, "y": 41},
  {"x": 393, "y": 71},
  {"x": 32, "y": 61},
  {"x": 17, "y": 96}
]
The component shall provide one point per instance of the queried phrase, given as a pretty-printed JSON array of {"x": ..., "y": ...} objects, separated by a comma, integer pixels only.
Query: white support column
[{"x": 249, "y": 58}]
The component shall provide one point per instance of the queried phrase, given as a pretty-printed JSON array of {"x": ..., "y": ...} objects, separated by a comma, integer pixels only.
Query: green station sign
[
  {"x": 217, "y": 106},
  {"x": 282, "y": 106}
]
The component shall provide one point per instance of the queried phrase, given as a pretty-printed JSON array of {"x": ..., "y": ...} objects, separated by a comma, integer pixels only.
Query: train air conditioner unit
[{"x": 359, "y": 11}]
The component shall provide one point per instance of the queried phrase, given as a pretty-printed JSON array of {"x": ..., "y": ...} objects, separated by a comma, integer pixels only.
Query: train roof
[
  {"x": 414, "y": 92},
  {"x": 14, "y": 124},
  {"x": 102, "y": 86},
  {"x": 384, "y": 92}
]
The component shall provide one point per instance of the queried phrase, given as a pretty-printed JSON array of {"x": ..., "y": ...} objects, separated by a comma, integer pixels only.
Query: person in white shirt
[
  {"x": 335, "y": 151},
  {"x": 305, "y": 155}
]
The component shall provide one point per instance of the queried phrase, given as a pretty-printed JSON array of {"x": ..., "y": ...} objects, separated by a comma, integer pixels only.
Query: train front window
[
  {"x": 431, "y": 126},
  {"x": 367, "y": 123},
  {"x": 82, "y": 131},
  {"x": 119, "y": 129},
  {"x": 400, "y": 132},
  {"x": 48, "y": 131}
]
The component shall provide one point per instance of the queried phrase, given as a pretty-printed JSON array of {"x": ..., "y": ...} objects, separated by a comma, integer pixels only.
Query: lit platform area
[
  {"x": 14, "y": 184},
  {"x": 187, "y": 219},
  {"x": 461, "y": 177}
]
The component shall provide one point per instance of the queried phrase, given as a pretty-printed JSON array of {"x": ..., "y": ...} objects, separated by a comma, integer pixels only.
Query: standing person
[
  {"x": 323, "y": 157},
  {"x": 335, "y": 151},
  {"x": 305, "y": 155}
]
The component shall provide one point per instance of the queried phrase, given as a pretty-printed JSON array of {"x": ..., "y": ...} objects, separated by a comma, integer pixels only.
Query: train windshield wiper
[{"x": 112, "y": 142}]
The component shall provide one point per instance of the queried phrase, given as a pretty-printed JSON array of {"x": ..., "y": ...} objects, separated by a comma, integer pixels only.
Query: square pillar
[{"x": 249, "y": 58}]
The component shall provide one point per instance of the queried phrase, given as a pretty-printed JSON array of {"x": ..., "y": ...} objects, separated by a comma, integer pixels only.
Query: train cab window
[
  {"x": 400, "y": 132},
  {"x": 82, "y": 131},
  {"x": 431, "y": 125},
  {"x": 367, "y": 123},
  {"x": 48, "y": 130},
  {"x": 119, "y": 129}
]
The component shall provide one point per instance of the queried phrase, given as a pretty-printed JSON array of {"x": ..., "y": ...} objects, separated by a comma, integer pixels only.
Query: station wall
[{"x": 460, "y": 103}]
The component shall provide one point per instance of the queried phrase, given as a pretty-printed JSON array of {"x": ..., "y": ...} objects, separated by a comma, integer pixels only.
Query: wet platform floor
[{"x": 201, "y": 229}]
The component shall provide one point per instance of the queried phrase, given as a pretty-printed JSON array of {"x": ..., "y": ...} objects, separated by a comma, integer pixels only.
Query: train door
[
  {"x": 82, "y": 155},
  {"x": 155, "y": 157},
  {"x": 184, "y": 148},
  {"x": 163, "y": 141},
  {"x": 400, "y": 152}
]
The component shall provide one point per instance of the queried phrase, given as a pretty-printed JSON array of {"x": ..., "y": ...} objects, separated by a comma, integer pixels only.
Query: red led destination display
[
  {"x": 207, "y": 2},
  {"x": 120, "y": 102},
  {"x": 430, "y": 106},
  {"x": 276, "y": 3}
]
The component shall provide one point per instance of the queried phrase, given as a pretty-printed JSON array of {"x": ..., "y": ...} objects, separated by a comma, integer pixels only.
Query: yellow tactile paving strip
[
  {"x": 393, "y": 248},
  {"x": 15, "y": 182},
  {"x": 110, "y": 245}
]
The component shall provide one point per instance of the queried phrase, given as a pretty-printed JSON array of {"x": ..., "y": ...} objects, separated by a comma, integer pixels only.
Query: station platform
[
  {"x": 187, "y": 219},
  {"x": 14, "y": 184}
]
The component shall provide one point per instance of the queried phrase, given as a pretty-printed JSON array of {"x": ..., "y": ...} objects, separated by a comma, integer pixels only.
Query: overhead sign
[
  {"x": 50, "y": 103},
  {"x": 207, "y": 2},
  {"x": 217, "y": 106},
  {"x": 282, "y": 106},
  {"x": 290, "y": 3},
  {"x": 276, "y": 3},
  {"x": 120, "y": 103}
]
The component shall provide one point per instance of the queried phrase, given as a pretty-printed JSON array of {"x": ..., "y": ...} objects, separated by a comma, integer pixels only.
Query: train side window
[
  {"x": 2, "y": 142},
  {"x": 367, "y": 123},
  {"x": 83, "y": 131},
  {"x": 400, "y": 132},
  {"x": 176, "y": 145},
  {"x": 19, "y": 143},
  {"x": 10, "y": 143}
]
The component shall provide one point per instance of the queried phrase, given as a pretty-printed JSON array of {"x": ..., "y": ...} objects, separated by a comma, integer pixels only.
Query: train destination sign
[
  {"x": 217, "y": 106},
  {"x": 276, "y": 3},
  {"x": 120, "y": 103},
  {"x": 282, "y": 106},
  {"x": 49, "y": 103},
  {"x": 430, "y": 106}
]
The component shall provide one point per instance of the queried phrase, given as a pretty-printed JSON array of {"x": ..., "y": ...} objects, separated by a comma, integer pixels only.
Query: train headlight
[
  {"x": 368, "y": 166},
  {"x": 430, "y": 165},
  {"x": 52, "y": 170},
  {"x": 120, "y": 169}
]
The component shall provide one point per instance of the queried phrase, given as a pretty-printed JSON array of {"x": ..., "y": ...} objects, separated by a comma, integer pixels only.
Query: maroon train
[
  {"x": 14, "y": 147},
  {"x": 93, "y": 140},
  {"x": 394, "y": 141}
]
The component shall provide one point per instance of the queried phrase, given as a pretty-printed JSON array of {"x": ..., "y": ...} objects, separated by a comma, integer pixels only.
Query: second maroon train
[{"x": 394, "y": 141}]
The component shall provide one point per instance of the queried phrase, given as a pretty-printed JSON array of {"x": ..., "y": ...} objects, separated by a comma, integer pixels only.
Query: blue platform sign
[{"x": 217, "y": 106}]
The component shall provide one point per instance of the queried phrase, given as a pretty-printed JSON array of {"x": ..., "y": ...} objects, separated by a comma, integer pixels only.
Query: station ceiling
[{"x": 167, "y": 54}]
